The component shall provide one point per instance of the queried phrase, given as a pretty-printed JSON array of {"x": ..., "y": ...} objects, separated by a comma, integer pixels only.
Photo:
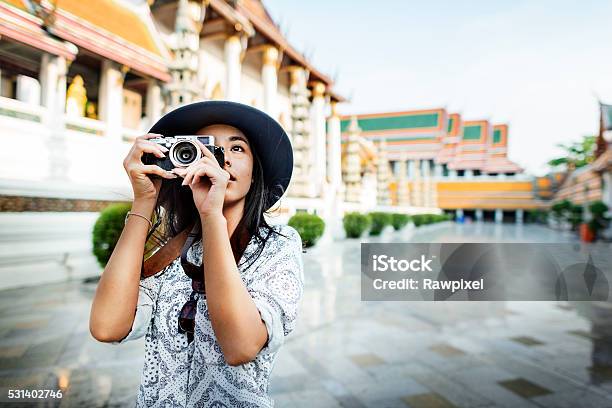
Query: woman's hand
[
  {"x": 143, "y": 186},
  {"x": 208, "y": 182}
]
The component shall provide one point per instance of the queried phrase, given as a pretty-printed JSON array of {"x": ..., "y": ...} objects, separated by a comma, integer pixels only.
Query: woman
[{"x": 244, "y": 291}]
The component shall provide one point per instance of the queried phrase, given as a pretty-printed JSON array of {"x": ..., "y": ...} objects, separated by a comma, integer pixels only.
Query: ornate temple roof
[
  {"x": 451, "y": 139},
  {"x": 257, "y": 14},
  {"x": 497, "y": 153},
  {"x": 17, "y": 24},
  {"x": 471, "y": 152},
  {"x": 110, "y": 28},
  {"x": 123, "y": 32},
  {"x": 410, "y": 134}
]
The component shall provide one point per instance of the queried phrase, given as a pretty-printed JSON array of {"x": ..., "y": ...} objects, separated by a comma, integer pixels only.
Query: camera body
[{"x": 183, "y": 151}]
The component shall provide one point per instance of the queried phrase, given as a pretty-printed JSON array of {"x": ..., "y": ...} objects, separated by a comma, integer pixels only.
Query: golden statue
[{"x": 76, "y": 97}]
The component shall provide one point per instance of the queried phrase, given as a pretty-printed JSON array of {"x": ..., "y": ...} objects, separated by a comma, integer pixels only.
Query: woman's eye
[{"x": 237, "y": 147}]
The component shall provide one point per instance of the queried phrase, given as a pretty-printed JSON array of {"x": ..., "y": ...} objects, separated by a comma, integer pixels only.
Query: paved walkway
[{"x": 346, "y": 352}]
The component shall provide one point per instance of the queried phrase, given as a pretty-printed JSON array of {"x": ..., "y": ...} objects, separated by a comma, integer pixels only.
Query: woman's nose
[{"x": 228, "y": 164}]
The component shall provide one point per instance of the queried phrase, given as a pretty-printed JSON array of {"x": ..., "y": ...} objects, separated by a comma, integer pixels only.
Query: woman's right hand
[{"x": 143, "y": 186}]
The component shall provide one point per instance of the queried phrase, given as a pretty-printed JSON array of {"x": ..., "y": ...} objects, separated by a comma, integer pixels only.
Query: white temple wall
[
  {"x": 252, "y": 90},
  {"x": 211, "y": 72}
]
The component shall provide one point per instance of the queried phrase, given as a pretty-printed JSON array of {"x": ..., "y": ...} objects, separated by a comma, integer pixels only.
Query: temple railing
[
  {"x": 15, "y": 109},
  {"x": 89, "y": 126}
]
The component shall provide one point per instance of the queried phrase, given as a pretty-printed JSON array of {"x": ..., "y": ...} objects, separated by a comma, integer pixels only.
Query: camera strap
[{"x": 166, "y": 254}]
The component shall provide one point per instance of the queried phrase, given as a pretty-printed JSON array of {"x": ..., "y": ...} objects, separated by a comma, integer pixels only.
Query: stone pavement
[{"x": 345, "y": 352}]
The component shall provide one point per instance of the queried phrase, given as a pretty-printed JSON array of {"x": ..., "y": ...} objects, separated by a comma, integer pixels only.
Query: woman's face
[{"x": 238, "y": 159}]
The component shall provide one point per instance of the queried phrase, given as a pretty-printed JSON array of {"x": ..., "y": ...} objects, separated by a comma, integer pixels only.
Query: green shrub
[
  {"x": 424, "y": 219},
  {"x": 418, "y": 220},
  {"x": 107, "y": 230},
  {"x": 575, "y": 216},
  {"x": 379, "y": 221},
  {"x": 399, "y": 221},
  {"x": 599, "y": 220},
  {"x": 537, "y": 215},
  {"x": 560, "y": 209},
  {"x": 309, "y": 226},
  {"x": 355, "y": 224}
]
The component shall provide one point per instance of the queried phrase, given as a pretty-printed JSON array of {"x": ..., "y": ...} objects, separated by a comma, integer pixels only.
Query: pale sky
[{"x": 537, "y": 65}]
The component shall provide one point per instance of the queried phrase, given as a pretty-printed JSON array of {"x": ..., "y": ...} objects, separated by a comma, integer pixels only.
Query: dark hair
[{"x": 175, "y": 211}]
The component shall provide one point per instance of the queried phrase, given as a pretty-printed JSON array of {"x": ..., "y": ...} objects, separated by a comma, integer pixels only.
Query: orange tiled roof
[
  {"x": 114, "y": 17},
  {"x": 17, "y": 24},
  {"x": 108, "y": 28},
  {"x": 16, "y": 3}
]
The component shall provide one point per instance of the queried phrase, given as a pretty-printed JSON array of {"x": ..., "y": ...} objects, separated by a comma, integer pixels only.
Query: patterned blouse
[{"x": 177, "y": 373}]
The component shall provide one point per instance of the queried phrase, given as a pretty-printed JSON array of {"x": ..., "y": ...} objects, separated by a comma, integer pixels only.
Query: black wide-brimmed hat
[{"x": 266, "y": 136}]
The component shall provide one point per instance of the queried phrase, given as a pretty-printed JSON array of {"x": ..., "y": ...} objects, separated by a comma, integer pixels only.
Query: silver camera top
[
  {"x": 183, "y": 148},
  {"x": 169, "y": 141}
]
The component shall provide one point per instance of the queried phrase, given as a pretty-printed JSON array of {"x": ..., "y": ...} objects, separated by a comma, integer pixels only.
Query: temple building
[
  {"x": 440, "y": 161},
  {"x": 80, "y": 80}
]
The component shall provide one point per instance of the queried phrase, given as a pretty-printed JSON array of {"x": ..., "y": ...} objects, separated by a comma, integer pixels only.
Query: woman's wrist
[
  {"x": 211, "y": 218},
  {"x": 143, "y": 207}
]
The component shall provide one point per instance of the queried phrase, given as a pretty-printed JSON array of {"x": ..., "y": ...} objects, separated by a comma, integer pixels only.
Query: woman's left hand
[{"x": 208, "y": 182}]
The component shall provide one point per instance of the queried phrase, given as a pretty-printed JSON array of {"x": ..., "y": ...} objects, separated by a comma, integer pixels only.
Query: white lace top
[{"x": 181, "y": 374}]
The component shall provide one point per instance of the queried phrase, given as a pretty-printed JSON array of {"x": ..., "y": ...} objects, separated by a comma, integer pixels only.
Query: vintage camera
[{"x": 183, "y": 150}]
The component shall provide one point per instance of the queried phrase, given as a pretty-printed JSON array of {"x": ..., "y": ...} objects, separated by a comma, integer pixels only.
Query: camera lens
[{"x": 185, "y": 153}]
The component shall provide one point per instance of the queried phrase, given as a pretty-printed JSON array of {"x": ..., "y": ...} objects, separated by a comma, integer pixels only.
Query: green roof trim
[
  {"x": 497, "y": 136},
  {"x": 472, "y": 132},
  {"x": 425, "y": 120},
  {"x": 401, "y": 139}
]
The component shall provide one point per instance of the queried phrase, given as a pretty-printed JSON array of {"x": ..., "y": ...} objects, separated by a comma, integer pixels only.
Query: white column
[
  {"x": 479, "y": 215},
  {"x": 403, "y": 194},
  {"x": 452, "y": 174},
  {"x": 417, "y": 197},
  {"x": 607, "y": 187},
  {"x": 317, "y": 122},
  {"x": 438, "y": 170},
  {"x": 232, "y": 52},
  {"x": 411, "y": 168},
  {"x": 425, "y": 168},
  {"x": 154, "y": 102},
  {"x": 519, "y": 216},
  {"x": 334, "y": 152},
  {"x": 607, "y": 194},
  {"x": 53, "y": 84},
  {"x": 111, "y": 99},
  {"x": 468, "y": 174},
  {"x": 499, "y": 215},
  {"x": 270, "y": 81}
]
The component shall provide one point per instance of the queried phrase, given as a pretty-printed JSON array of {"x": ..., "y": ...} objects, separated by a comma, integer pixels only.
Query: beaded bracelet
[{"x": 138, "y": 215}]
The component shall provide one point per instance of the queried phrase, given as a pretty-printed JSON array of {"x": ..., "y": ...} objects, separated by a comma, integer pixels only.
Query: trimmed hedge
[
  {"x": 424, "y": 219},
  {"x": 379, "y": 221},
  {"x": 107, "y": 230},
  {"x": 309, "y": 226},
  {"x": 399, "y": 221},
  {"x": 355, "y": 224}
]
